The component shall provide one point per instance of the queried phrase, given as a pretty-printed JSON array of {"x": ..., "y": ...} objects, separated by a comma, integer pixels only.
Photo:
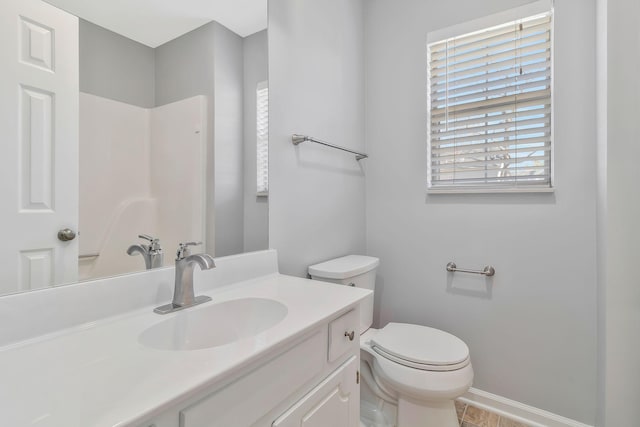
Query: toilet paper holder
[{"x": 487, "y": 270}]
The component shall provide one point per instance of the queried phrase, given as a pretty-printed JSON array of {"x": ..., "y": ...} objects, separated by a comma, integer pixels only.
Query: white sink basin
[{"x": 214, "y": 325}]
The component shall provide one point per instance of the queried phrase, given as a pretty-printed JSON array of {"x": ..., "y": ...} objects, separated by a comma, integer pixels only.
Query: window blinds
[
  {"x": 490, "y": 107},
  {"x": 262, "y": 148}
]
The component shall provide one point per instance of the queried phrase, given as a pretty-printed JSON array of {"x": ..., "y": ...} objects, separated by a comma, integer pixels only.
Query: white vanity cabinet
[
  {"x": 313, "y": 382},
  {"x": 107, "y": 372}
]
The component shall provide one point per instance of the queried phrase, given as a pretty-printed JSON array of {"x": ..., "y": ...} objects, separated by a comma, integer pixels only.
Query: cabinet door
[{"x": 334, "y": 402}]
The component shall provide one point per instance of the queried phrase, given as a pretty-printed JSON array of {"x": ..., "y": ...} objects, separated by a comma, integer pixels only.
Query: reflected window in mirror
[{"x": 262, "y": 129}]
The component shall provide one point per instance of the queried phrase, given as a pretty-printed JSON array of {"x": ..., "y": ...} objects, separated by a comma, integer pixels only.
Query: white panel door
[
  {"x": 39, "y": 90},
  {"x": 334, "y": 402}
]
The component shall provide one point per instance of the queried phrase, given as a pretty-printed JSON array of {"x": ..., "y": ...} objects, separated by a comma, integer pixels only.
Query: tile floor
[{"x": 470, "y": 416}]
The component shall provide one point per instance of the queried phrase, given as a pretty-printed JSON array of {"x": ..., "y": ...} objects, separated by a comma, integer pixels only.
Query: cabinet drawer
[{"x": 344, "y": 334}]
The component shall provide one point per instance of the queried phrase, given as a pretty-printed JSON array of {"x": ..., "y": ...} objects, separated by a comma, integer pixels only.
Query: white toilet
[{"x": 411, "y": 373}]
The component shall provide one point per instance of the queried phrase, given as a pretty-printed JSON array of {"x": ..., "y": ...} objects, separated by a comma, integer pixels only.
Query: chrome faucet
[
  {"x": 183, "y": 294},
  {"x": 151, "y": 253}
]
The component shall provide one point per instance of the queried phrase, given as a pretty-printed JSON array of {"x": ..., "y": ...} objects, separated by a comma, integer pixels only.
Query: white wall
[
  {"x": 532, "y": 328},
  {"x": 621, "y": 287},
  {"x": 256, "y": 209},
  {"x": 316, "y": 194}
]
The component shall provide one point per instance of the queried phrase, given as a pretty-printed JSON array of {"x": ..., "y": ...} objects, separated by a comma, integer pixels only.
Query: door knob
[{"x": 66, "y": 234}]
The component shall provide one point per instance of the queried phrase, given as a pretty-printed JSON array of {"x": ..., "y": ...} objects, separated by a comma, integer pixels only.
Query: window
[
  {"x": 262, "y": 133},
  {"x": 489, "y": 96}
]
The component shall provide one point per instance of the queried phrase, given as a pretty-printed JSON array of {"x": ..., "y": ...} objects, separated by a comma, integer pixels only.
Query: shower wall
[
  {"x": 178, "y": 166},
  {"x": 141, "y": 170}
]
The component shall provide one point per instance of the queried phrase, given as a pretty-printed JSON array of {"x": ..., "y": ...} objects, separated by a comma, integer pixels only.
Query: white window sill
[{"x": 459, "y": 190}]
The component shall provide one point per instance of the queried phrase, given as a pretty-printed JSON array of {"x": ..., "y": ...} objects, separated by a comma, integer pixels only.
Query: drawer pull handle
[{"x": 350, "y": 335}]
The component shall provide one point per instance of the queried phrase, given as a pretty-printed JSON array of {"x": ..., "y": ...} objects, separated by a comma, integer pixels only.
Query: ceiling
[{"x": 155, "y": 22}]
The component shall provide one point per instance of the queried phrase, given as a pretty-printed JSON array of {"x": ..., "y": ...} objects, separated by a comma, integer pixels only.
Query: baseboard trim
[{"x": 517, "y": 411}]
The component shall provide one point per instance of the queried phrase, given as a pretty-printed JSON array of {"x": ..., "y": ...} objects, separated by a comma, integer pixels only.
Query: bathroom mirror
[{"x": 129, "y": 120}]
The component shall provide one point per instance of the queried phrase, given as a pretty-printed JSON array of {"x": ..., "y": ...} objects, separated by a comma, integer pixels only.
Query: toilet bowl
[
  {"x": 424, "y": 369},
  {"x": 411, "y": 373}
]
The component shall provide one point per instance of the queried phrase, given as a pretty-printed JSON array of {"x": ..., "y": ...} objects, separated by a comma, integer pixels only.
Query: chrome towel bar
[
  {"x": 487, "y": 270},
  {"x": 298, "y": 139},
  {"x": 88, "y": 256}
]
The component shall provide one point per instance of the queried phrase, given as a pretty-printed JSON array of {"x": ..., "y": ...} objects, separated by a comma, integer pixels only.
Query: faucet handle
[
  {"x": 154, "y": 242},
  {"x": 184, "y": 251}
]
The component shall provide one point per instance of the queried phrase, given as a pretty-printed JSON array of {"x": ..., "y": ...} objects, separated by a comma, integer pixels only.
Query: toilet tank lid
[{"x": 344, "y": 267}]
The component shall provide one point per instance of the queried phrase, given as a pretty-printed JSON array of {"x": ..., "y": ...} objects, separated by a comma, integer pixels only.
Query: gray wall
[
  {"x": 228, "y": 134},
  {"x": 620, "y": 305},
  {"x": 316, "y": 194},
  {"x": 256, "y": 226},
  {"x": 115, "y": 67},
  {"x": 532, "y": 328},
  {"x": 208, "y": 61},
  {"x": 185, "y": 66},
  {"x": 601, "y": 229}
]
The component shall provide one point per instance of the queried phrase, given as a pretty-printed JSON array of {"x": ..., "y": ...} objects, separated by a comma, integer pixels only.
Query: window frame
[{"x": 480, "y": 25}]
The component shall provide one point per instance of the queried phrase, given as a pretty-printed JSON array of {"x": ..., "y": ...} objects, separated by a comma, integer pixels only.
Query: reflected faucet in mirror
[
  {"x": 151, "y": 253},
  {"x": 183, "y": 294}
]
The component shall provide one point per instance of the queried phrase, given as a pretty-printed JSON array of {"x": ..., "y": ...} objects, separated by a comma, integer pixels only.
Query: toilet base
[{"x": 427, "y": 414}]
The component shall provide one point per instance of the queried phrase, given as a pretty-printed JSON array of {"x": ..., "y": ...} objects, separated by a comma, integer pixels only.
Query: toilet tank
[{"x": 351, "y": 270}]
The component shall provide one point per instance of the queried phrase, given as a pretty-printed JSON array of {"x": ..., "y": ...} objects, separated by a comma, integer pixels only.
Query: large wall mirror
[{"x": 122, "y": 120}]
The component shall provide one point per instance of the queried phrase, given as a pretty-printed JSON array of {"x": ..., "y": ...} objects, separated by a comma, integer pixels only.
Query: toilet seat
[{"x": 405, "y": 344}]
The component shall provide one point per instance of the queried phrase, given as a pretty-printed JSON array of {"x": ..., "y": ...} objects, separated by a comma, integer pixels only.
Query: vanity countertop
[{"x": 99, "y": 374}]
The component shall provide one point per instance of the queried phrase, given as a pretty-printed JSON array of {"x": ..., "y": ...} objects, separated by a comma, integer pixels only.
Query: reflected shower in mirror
[{"x": 167, "y": 122}]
